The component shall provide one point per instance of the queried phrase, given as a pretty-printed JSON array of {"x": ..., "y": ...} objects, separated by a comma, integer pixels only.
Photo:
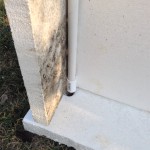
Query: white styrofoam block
[
  {"x": 38, "y": 29},
  {"x": 87, "y": 121}
]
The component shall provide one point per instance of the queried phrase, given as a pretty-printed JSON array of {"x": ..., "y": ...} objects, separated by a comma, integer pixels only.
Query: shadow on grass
[{"x": 13, "y": 99}]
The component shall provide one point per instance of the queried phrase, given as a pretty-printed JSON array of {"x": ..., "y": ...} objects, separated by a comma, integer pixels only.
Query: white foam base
[{"x": 87, "y": 121}]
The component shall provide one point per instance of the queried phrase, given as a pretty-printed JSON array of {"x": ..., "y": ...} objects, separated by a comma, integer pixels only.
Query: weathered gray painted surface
[{"x": 39, "y": 32}]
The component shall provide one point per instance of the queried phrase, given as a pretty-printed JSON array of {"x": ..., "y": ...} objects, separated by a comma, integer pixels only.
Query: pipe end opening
[{"x": 70, "y": 94}]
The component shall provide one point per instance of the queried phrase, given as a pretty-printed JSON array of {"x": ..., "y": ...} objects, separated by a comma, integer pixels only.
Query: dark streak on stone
[{"x": 54, "y": 80}]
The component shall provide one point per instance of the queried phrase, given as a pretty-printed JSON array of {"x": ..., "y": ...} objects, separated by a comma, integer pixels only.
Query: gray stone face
[{"x": 39, "y": 32}]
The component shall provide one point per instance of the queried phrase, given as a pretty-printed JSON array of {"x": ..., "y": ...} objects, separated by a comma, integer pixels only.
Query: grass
[{"x": 13, "y": 99}]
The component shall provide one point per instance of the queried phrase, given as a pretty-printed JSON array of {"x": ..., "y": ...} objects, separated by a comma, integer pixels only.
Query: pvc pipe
[{"x": 72, "y": 44}]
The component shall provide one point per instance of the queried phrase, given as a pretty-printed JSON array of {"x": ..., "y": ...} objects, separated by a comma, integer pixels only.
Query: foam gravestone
[{"x": 39, "y": 33}]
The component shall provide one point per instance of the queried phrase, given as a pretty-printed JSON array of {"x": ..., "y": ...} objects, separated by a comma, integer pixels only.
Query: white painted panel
[{"x": 114, "y": 50}]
